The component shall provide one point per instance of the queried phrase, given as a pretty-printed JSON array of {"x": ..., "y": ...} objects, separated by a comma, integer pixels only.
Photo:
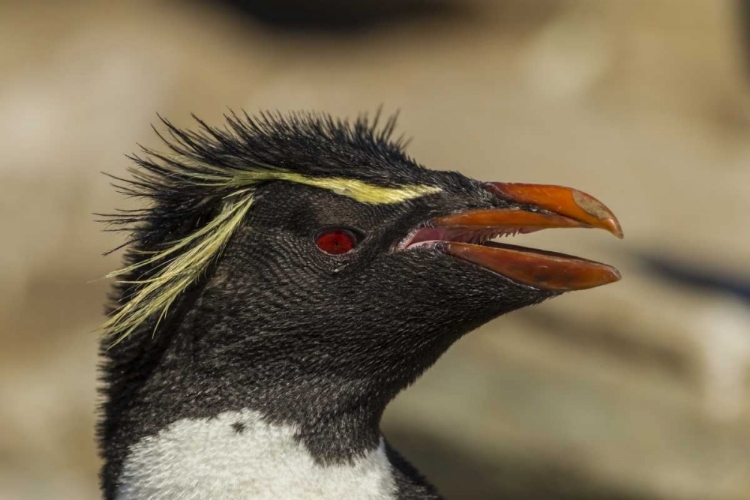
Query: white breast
[{"x": 238, "y": 456}]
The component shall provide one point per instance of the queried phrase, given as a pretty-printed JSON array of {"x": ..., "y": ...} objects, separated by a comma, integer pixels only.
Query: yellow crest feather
[{"x": 176, "y": 274}]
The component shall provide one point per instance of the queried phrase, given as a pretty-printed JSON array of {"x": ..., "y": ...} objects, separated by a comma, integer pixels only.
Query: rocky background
[{"x": 639, "y": 390}]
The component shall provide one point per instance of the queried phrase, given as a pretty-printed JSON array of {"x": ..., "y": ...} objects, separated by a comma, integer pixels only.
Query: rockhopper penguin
[{"x": 288, "y": 276}]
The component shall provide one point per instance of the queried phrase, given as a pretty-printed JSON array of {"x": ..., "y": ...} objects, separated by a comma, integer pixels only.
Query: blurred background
[{"x": 638, "y": 390}]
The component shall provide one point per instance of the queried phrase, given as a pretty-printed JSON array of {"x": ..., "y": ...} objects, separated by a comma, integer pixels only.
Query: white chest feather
[{"x": 238, "y": 456}]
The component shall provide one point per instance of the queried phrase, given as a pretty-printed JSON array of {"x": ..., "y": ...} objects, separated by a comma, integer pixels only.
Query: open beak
[{"x": 466, "y": 235}]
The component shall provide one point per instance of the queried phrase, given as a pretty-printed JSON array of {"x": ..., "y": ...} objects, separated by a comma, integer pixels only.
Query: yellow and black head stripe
[{"x": 182, "y": 262}]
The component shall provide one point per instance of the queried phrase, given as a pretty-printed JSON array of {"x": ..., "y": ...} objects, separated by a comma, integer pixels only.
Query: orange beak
[{"x": 465, "y": 235}]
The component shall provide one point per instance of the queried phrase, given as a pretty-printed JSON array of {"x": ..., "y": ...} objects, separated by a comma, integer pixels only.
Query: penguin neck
[
  {"x": 217, "y": 357},
  {"x": 334, "y": 418},
  {"x": 186, "y": 390}
]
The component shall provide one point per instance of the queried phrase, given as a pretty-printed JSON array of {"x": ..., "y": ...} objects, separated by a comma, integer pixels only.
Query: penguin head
[{"x": 305, "y": 253}]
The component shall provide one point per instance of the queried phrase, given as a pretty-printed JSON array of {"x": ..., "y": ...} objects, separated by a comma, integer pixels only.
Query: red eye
[{"x": 336, "y": 241}]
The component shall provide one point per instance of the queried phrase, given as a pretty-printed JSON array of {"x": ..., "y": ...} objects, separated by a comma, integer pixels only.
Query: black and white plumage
[{"x": 249, "y": 356}]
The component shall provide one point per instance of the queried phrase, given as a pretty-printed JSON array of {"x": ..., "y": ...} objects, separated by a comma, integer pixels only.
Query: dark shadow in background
[
  {"x": 340, "y": 16},
  {"x": 704, "y": 277},
  {"x": 744, "y": 18},
  {"x": 458, "y": 474}
]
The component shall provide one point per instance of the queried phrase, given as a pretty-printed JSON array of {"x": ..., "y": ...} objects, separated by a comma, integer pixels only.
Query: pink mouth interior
[{"x": 476, "y": 236}]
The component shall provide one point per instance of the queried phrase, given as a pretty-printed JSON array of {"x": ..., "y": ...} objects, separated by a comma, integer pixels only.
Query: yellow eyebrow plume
[{"x": 363, "y": 192}]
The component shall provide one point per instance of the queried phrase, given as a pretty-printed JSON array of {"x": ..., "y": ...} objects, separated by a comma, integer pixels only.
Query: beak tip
[
  {"x": 612, "y": 225},
  {"x": 616, "y": 276},
  {"x": 605, "y": 276}
]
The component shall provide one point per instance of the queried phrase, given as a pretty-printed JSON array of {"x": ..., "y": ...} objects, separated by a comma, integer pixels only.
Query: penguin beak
[{"x": 466, "y": 235}]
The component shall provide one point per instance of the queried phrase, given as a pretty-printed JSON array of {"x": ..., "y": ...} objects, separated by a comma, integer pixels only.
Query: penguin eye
[{"x": 336, "y": 241}]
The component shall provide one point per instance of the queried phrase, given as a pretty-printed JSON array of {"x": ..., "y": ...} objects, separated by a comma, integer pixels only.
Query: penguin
[{"x": 287, "y": 276}]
